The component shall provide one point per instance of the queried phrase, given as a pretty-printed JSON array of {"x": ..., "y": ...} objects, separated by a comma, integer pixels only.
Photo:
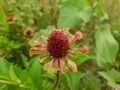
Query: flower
[
  {"x": 29, "y": 33},
  {"x": 10, "y": 18},
  {"x": 58, "y": 47},
  {"x": 118, "y": 88}
]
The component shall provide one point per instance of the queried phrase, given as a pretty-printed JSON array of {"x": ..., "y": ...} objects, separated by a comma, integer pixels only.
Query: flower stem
[{"x": 57, "y": 75}]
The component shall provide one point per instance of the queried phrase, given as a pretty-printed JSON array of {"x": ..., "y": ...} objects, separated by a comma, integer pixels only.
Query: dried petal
[
  {"x": 36, "y": 50},
  {"x": 55, "y": 63},
  {"x": 44, "y": 58},
  {"x": 81, "y": 49},
  {"x": 41, "y": 41},
  {"x": 72, "y": 54},
  {"x": 78, "y": 35},
  {"x": 118, "y": 88},
  {"x": 62, "y": 66},
  {"x": 70, "y": 38},
  {"x": 48, "y": 65},
  {"x": 84, "y": 49},
  {"x": 72, "y": 65},
  {"x": 65, "y": 30}
]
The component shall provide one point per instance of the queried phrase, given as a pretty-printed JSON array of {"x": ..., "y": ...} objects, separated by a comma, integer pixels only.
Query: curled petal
[
  {"x": 72, "y": 65},
  {"x": 44, "y": 37},
  {"x": 77, "y": 36},
  {"x": 55, "y": 63},
  {"x": 44, "y": 58},
  {"x": 62, "y": 66},
  {"x": 48, "y": 65},
  {"x": 70, "y": 38},
  {"x": 83, "y": 49},
  {"x": 41, "y": 41},
  {"x": 36, "y": 50},
  {"x": 72, "y": 54},
  {"x": 65, "y": 30}
]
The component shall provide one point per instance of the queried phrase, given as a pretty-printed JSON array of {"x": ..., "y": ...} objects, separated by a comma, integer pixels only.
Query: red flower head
[
  {"x": 10, "y": 19},
  {"x": 58, "y": 47},
  {"x": 29, "y": 33}
]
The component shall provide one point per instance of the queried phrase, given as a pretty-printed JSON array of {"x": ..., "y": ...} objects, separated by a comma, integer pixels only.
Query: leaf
[
  {"x": 36, "y": 73},
  {"x": 73, "y": 79},
  {"x": 12, "y": 74},
  {"x": 99, "y": 11},
  {"x": 86, "y": 14},
  {"x": 68, "y": 17},
  {"x": 4, "y": 69},
  {"x": 106, "y": 46},
  {"x": 3, "y": 21},
  {"x": 112, "y": 76}
]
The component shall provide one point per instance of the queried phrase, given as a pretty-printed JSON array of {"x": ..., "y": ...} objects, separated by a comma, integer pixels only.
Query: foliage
[{"x": 99, "y": 69}]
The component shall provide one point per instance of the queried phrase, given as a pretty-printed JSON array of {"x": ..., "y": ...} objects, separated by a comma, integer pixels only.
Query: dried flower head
[{"x": 58, "y": 47}]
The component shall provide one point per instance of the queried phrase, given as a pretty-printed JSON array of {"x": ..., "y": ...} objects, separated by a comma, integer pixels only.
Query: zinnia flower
[
  {"x": 10, "y": 19},
  {"x": 118, "y": 88},
  {"x": 28, "y": 33},
  {"x": 58, "y": 47}
]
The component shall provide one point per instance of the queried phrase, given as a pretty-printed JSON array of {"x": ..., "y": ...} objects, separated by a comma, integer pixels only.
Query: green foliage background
[{"x": 99, "y": 69}]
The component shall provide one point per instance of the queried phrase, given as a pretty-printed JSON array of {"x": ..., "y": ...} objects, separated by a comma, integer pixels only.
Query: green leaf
[
  {"x": 4, "y": 69},
  {"x": 68, "y": 17},
  {"x": 12, "y": 74},
  {"x": 73, "y": 79},
  {"x": 36, "y": 73},
  {"x": 106, "y": 46},
  {"x": 112, "y": 76},
  {"x": 3, "y": 21},
  {"x": 99, "y": 11},
  {"x": 86, "y": 14}
]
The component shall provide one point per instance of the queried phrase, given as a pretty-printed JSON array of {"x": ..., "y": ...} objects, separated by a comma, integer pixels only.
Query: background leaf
[{"x": 106, "y": 46}]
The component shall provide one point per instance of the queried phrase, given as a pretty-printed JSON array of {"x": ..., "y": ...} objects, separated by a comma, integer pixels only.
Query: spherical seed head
[{"x": 57, "y": 44}]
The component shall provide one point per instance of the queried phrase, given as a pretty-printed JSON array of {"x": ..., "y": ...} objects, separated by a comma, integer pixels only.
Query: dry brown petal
[
  {"x": 48, "y": 65},
  {"x": 62, "y": 66},
  {"x": 36, "y": 50},
  {"x": 72, "y": 65},
  {"x": 43, "y": 58},
  {"x": 55, "y": 63}
]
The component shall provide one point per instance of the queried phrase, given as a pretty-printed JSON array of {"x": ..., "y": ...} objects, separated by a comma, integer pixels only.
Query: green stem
[
  {"x": 9, "y": 82},
  {"x": 58, "y": 75}
]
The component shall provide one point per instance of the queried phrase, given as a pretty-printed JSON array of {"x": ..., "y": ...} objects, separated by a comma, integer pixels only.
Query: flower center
[{"x": 58, "y": 44}]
